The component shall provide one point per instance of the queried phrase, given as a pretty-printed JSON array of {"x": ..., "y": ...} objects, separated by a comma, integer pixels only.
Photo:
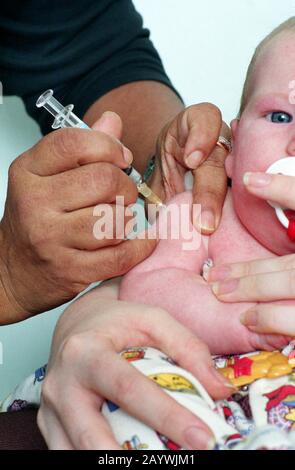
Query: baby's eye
[{"x": 279, "y": 117}]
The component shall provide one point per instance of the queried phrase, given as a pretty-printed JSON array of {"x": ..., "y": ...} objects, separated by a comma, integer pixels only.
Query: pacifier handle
[
  {"x": 284, "y": 166},
  {"x": 291, "y": 230}
]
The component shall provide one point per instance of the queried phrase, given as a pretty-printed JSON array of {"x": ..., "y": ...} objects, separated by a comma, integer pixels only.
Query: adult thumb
[{"x": 110, "y": 123}]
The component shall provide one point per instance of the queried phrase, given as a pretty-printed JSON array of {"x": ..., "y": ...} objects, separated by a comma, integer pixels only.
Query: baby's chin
[
  {"x": 279, "y": 247},
  {"x": 260, "y": 220},
  {"x": 269, "y": 232}
]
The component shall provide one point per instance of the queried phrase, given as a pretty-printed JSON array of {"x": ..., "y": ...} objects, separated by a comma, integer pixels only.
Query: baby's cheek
[
  {"x": 259, "y": 218},
  {"x": 257, "y": 145}
]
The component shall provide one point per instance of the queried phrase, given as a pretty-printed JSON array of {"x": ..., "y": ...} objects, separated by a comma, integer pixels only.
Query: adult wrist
[{"x": 10, "y": 310}]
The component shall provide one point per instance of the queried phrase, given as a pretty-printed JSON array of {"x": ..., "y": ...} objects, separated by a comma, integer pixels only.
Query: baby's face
[{"x": 264, "y": 134}]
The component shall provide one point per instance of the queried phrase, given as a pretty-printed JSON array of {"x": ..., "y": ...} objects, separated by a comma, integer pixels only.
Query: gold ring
[{"x": 225, "y": 144}]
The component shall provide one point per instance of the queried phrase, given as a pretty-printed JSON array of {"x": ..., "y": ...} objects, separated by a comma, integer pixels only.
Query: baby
[
  {"x": 174, "y": 278},
  {"x": 171, "y": 277}
]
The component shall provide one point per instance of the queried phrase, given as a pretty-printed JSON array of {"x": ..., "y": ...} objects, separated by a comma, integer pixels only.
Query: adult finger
[
  {"x": 201, "y": 128},
  {"x": 111, "y": 261},
  {"x": 96, "y": 227},
  {"x": 182, "y": 346},
  {"x": 66, "y": 149},
  {"x": 259, "y": 266},
  {"x": 271, "y": 318},
  {"x": 189, "y": 352},
  {"x": 90, "y": 185},
  {"x": 259, "y": 287},
  {"x": 210, "y": 187},
  {"x": 191, "y": 137},
  {"x": 52, "y": 430},
  {"x": 127, "y": 384},
  {"x": 276, "y": 188},
  {"x": 84, "y": 423},
  {"x": 110, "y": 123},
  {"x": 209, "y": 190}
]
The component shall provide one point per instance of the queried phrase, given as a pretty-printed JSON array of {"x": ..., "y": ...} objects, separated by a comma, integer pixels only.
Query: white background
[{"x": 206, "y": 47}]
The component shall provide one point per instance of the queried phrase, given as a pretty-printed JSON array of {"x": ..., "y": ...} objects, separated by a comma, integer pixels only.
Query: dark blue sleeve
[{"x": 82, "y": 49}]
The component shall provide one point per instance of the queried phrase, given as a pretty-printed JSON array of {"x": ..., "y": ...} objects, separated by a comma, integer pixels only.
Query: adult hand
[
  {"x": 48, "y": 251},
  {"x": 188, "y": 142},
  {"x": 263, "y": 280},
  {"x": 85, "y": 366}
]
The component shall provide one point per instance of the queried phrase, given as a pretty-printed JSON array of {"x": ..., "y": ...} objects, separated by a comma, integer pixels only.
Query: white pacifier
[{"x": 284, "y": 166}]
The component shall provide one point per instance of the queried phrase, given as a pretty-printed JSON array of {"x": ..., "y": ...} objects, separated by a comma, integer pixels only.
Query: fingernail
[
  {"x": 205, "y": 222},
  {"x": 223, "y": 380},
  {"x": 220, "y": 288},
  {"x": 198, "y": 439},
  {"x": 249, "y": 318},
  {"x": 258, "y": 180},
  {"x": 206, "y": 272},
  {"x": 128, "y": 157},
  {"x": 194, "y": 159},
  {"x": 106, "y": 114},
  {"x": 220, "y": 273}
]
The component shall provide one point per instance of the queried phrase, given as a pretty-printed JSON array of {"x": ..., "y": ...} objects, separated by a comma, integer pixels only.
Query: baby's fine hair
[{"x": 288, "y": 25}]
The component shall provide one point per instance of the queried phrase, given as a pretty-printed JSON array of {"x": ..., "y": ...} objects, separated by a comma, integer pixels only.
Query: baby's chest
[{"x": 233, "y": 243}]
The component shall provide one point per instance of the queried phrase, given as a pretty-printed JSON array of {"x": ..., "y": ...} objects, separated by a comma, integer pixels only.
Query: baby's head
[{"x": 265, "y": 132}]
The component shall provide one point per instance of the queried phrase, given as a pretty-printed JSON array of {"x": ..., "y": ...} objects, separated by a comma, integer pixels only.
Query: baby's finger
[
  {"x": 270, "y": 318},
  {"x": 276, "y": 188}
]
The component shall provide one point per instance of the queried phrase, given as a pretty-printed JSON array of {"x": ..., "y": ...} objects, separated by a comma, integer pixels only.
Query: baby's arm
[
  {"x": 189, "y": 299},
  {"x": 171, "y": 279}
]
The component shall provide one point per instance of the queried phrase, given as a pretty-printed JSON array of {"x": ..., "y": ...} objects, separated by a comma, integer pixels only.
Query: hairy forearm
[{"x": 145, "y": 108}]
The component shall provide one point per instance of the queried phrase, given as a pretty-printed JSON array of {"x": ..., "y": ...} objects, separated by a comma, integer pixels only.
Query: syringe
[{"x": 64, "y": 117}]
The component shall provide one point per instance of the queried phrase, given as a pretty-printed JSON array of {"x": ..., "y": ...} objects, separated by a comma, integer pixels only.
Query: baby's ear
[{"x": 230, "y": 158}]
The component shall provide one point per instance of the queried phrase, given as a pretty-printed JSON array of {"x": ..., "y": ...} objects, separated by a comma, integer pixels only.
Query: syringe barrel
[
  {"x": 64, "y": 117},
  {"x": 133, "y": 174}
]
